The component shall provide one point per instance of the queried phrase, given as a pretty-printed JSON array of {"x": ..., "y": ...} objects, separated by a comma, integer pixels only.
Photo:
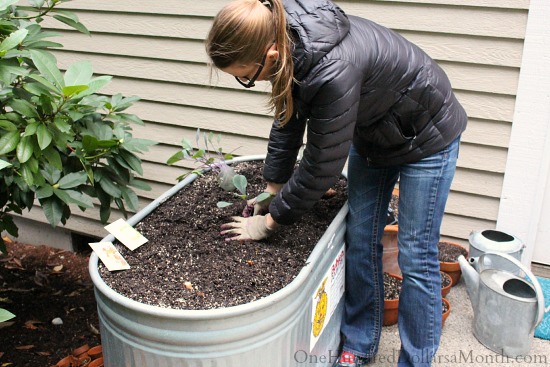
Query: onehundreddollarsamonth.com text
[{"x": 460, "y": 358}]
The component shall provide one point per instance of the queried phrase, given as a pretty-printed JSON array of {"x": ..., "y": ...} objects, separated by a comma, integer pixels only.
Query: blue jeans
[{"x": 423, "y": 190}]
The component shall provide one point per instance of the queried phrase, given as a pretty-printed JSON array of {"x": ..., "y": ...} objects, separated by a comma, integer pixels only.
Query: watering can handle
[{"x": 532, "y": 278}]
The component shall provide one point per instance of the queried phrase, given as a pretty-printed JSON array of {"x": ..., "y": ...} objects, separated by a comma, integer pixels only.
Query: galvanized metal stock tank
[{"x": 275, "y": 331}]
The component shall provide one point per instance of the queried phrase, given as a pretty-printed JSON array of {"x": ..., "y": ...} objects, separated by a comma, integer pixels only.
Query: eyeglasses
[{"x": 249, "y": 83}]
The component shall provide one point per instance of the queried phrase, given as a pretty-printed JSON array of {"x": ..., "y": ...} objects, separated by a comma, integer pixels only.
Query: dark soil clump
[
  {"x": 449, "y": 252},
  {"x": 39, "y": 284},
  {"x": 187, "y": 264}
]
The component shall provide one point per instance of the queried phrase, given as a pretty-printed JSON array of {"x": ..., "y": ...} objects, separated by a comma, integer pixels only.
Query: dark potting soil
[
  {"x": 187, "y": 264},
  {"x": 392, "y": 286},
  {"x": 449, "y": 252},
  {"x": 445, "y": 280}
]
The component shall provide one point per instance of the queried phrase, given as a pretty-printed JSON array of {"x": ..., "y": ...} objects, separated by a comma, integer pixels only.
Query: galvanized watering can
[{"x": 508, "y": 305}]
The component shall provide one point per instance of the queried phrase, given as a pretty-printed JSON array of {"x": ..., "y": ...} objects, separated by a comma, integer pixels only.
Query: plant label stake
[
  {"x": 126, "y": 234},
  {"x": 109, "y": 255}
]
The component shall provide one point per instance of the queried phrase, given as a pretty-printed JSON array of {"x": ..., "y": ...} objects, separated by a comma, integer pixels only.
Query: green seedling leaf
[
  {"x": 13, "y": 40},
  {"x": 175, "y": 158},
  {"x": 263, "y": 196},
  {"x": 240, "y": 183},
  {"x": 223, "y": 204},
  {"x": 8, "y": 142},
  {"x": 5, "y": 315}
]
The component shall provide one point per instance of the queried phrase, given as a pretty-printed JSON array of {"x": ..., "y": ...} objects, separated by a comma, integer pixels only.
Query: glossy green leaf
[
  {"x": 7, "y": 125},
  {"x": 53, "y": 157},
  {"x": 46, "y": 83},
  {"x": 13, "y": 40},
  {"x": 4, "y": 4},
  {"x": 70, "y": 21},
  {"x": 62, "y": 124},
  {"x": 89, "y": 143},
  {"x": 44, "y": 192},
  {"x": 79, "y": 74},
  {"x": 73, "y": 180},
  {"x": 133, "y": 161},
  {"x": 73, "y": 90},
  {"x": 27, "y": 174},
  {"x": 4, "y": 164},
  {"x": 223, "y": 204},
  {"x": 139, "y": 184},
  {"x": 44, "y": 136},
  {"x": 8, "y": 142},
  {"x": 53, "y": 210},
  {"x": 31, "y": 129},
  {"x": 95, "y": 85},
  {"x": 23, "y": 107},
  {"x": 37, "y": 3},
  {"x": 131, "y": 199},
  {"x": 80, "y": 199},
  {"x": 47, "y": 65},
  {"x": 110, "y": 187},
  {"x": 24, "y": 149}
]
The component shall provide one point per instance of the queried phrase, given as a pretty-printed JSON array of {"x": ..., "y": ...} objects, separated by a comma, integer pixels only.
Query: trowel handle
[{"x": 532, "y": 278}]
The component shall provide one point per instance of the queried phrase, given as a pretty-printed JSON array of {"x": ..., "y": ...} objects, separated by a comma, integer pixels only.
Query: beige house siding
[{"x": 155, "y": 50}]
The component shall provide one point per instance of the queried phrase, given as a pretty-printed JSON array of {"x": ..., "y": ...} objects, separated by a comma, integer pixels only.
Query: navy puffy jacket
[{"x": 358, "y": 82}]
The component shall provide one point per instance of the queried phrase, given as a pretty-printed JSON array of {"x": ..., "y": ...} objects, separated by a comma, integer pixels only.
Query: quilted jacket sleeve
[{"x": 332, "y": 94}]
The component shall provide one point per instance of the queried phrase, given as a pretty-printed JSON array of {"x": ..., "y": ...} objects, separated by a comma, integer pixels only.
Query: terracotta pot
[
  {"x": 390, "y": 307},
  {"x": 445, "y": 314},
  {"x": 389, "y": 243},
  {"x": 389, "y": 255},
  {"x": 452, "y": 268},
  {"x": 445, "y": 290}
]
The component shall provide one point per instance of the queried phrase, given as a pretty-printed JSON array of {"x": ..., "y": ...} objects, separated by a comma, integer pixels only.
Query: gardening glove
[
  {"x": 260, "y": 204},
  {"x": 258, "y": 207},
  {"x": 247, "y": 229}
]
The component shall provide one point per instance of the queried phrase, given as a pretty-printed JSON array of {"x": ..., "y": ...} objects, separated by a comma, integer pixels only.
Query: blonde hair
[{"x": 242, "y": 32}]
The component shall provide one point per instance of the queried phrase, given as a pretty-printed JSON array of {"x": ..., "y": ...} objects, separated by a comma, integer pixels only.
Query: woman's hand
[
  {"x": 253, "y": 228},
  {"x": 261, "y": 207}
]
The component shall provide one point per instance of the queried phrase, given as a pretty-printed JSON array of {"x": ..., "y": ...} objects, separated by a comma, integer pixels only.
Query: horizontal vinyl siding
[{"x": 155, "y": 50}]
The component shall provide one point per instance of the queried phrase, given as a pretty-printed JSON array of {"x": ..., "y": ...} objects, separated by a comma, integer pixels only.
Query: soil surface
[
  {"x": 187, "y": 264},
  {"x": 39, "y": 284},
  {"x": 449, "y": 252}
]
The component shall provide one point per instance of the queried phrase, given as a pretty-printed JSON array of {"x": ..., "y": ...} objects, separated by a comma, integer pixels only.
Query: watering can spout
[{"x": 471, "y": 277}]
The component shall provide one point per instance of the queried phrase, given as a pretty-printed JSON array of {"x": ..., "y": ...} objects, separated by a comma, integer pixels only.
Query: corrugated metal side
[{"x": 155, "y": 50}]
